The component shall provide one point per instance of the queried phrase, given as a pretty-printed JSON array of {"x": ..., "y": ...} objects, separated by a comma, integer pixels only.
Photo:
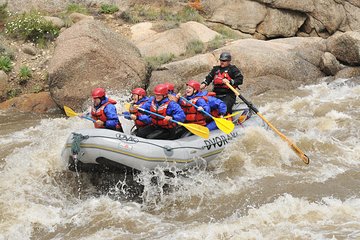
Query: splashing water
[{"x": 257, "y": 189}]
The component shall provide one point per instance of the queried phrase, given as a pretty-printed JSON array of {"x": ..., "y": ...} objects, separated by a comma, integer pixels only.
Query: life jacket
[
  {"x": 218, "y": 83},
  {"x": 161, "y": 110},
  {"x": 191, "y": 113},
  {"x": 99, "y": 114},
  {"x": 134, "y": 110}
]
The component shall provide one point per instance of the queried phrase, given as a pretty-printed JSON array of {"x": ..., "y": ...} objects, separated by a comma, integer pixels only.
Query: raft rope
[{"x": 75, "y": 146}]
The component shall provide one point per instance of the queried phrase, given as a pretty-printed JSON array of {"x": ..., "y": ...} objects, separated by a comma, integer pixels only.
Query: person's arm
[
  {"x": 202, "y": 103},
  {"x": 175, "y": 111},
  {"x": 236, "y": 76},
  {"x": 221, "y": 106},
  {"x": 209, "y": 78},
  {"x": 111, "y": 115}
]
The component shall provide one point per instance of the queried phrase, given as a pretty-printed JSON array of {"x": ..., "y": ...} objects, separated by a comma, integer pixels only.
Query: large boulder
[
  {"x": 3, "y": 84},
  {"x": 173, "y": 41},
  {"x": 265, "y": 64},
  {"x": 32, "y": 102},
  {"x": 89, "y": 55},
  {"x": 281, "y": 23},
  {"x": 346, "y": 47},
  {"x": 243, "y": 15}
]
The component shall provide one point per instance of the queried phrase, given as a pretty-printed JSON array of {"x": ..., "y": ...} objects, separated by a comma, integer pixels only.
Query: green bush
[
  {"x": 13, "y": 93},
  {"x": 226, "y": 32},
  {"x": 24, "y": 74},
  {"x": 139, "y": 13},
  {"x": 108, "y": 8},
  {"x": 194, "y": 47},
  {"x": 74, "y": 7},
  {"x": 3, "y": 12},
  {"x": 216, "y": 43},
  {"x": 5, "y": 63},
  {"x": 157, "y": 61},
  {"x": 31, "y": 26}
]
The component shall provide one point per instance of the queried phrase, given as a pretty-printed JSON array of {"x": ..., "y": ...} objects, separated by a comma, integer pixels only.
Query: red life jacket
[
  {"x": 162, "y": 111},
  {"x": 218, "y": 83},
  {"x": 191, "y": 113},
  {"x": 135, "y": 111},
  {"x": 99, "y": 114}
]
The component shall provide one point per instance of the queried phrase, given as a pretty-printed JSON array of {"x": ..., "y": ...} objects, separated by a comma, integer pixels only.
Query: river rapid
[{"x": 257, "y": 189}]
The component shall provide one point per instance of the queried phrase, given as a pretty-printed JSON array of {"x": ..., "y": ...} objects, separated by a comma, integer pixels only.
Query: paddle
[
  {"x": 196, "y": 129},
  {"x": 297, "y": 150},
  {"x": 223, "y": 124},
  {"x": 71, "y": 113}
]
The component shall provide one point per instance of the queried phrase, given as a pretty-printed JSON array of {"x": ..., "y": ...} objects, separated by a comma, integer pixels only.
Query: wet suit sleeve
[
  {"x": 210, "y": 77},
  {"x": 236, "y": 76},
  {"x": 175, "y": 111},
  {"x": 112, "y": 117}
]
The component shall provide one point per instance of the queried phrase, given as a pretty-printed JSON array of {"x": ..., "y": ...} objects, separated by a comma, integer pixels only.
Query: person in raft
[
  {"x": 104, "y": 112},
  {"x": 222, "y": 74},
  {"x": 161, "y": 127},
  {"x": 139, "y": 98},
  {"x": 194, "y": 96}
]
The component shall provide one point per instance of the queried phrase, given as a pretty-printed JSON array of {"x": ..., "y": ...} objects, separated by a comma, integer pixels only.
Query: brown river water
[{"x": 257, "y": 189}]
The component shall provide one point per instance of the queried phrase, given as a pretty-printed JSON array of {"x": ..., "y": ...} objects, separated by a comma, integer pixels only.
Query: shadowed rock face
[{"x": 89, "y": 55}]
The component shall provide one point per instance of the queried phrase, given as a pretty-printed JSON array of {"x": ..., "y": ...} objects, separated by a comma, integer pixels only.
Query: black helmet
[{"x": 225, "y": 56}]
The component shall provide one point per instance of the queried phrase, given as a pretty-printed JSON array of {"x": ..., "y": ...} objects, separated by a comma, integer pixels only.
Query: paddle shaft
[
  {"x": 297, "y": 150},
  {"x": 160, "y": 116}
]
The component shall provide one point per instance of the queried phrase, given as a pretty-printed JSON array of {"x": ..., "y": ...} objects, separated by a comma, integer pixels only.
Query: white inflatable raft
[{"x": 94, "y": 149}]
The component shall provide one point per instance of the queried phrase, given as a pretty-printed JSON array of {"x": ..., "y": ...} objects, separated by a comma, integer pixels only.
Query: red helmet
[
  {"x": 170, "y": 86},
  {"x": 98, "y": 93},
  {"x": 194, "y": 84},
  {"x": 139, "y": 91},
  {"x": 161, "y": 89}
]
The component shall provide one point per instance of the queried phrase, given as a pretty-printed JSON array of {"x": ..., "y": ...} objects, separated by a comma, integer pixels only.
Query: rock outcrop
[{"x": 89, "y": 55}]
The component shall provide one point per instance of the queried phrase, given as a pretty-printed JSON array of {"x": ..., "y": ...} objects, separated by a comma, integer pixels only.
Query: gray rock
[
  {"x": 329, "y": 64},
  {"x": 346, "y": 47},
  {"x": 3, "y": 84},
  {"x": 89, "y": 55},
  {"x": 29, "y": 49}
]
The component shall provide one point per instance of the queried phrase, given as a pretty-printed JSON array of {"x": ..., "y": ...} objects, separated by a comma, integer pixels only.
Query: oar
[
  {"x": 196, "y": 129},
  {"x": 223, "y": 124},
  {"x": 231, "y": 115},
  {"x": 297, "y": 150},
  {"x": 71, "y": 113}
]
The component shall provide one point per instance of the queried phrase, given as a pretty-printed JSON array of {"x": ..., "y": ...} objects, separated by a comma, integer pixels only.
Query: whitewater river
[{"x": 257, "y": 189}]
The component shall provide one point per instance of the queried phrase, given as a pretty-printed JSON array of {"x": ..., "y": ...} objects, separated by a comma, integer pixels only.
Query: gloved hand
[{"x": 127, "y": 115}]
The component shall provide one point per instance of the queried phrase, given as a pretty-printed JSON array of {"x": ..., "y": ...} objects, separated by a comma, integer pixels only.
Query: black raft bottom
[{"x": 105, "y": 165}]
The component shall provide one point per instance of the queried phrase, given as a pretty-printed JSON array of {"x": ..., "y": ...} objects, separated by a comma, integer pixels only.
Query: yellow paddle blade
[
  {"x": 196, "y": 129},
  {"x": 69, "y": 112},
  {"x": 231, "y": 115},
  {"x": 224, "y": 125},
  {"x": 127, "y": 106}
]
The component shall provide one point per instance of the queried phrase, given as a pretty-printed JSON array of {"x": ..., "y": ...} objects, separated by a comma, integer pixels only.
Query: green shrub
[
  {"x": 5, "y": 63},
  {"x": 31, "y": 26},
  {"x": 189, "y": 14},
  {"x": 24, "y": 74},
  {"x": 108, "y": 8},
  {"x": 157, "y": 61},
  {"x": 138, "y": 13},
  {"x": 226, "y": 32},
  {"x": 37, "y": 89},
  {"x": 74, "y": 7},
  {"x": 194, "y": 47},
  {"x": 13, "y": 93},
  {"x": 3, "y": 12},
  {"x": 163, "y": 26},
  {"x": 216, "y": 43}
]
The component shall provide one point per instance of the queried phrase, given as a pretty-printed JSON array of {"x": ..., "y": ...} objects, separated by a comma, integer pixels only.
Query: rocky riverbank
[{"x": 276, "y": 45}]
